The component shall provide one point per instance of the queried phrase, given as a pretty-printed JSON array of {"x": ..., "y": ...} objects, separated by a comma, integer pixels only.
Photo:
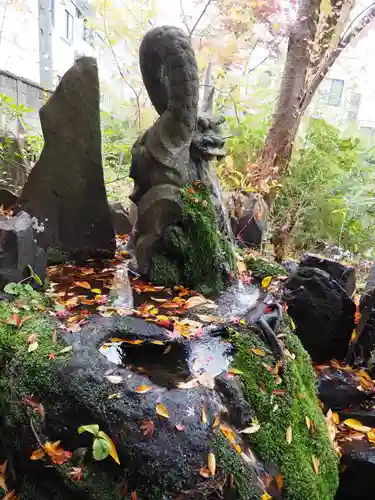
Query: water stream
[{"x": 223, "y": 212}]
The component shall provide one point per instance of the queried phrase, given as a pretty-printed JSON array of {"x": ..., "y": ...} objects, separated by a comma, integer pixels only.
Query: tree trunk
[
  {"x": 278, "y": 146},
  {"x": 296, "y": 92}
]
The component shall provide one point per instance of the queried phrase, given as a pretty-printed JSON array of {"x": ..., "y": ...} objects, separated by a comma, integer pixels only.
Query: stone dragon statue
[{"x": 177, "y": 148}]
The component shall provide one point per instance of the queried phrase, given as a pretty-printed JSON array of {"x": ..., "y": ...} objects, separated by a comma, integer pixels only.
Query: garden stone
[
  {"x": 249, "y": 218},
  {"x": 177, "y": 195},
  {"x": 339, "y": 390},
  {"x": 322, "y": 311},
  {"x": 18, "y": 250},
  {"x": 120, "y": 218},
  {"x": 344, "y": 275},
  {"x": 7, "y": 199},
  {"x": 65, "y": 190},
  {"x": 119, "y": 389},
  {"x": 357, "y": 476}
]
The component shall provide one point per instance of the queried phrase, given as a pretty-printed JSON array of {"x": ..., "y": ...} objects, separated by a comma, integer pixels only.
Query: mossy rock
[
  {"x": 260, "y": 268},
  {"x": 197, "y": 254},
  {"x": 56, "y": 256},
  {"x": 293, "y": 403}
]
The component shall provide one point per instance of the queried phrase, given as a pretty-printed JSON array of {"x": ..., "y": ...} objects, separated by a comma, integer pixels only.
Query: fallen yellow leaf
[
  {"x": 211, "y": 463},
  {"x": 112, "y": 449},
  {"x": 316, "y": 463},
  {"x": 308, "y": 422},
  {"x": 254, "y": 427},
  {"x": 157, "y": 342},
  {"x": 258, "y": 351},
  {"x": 266, "y": 281},
  {"x": 371, "y": 436},
  {"x": 235, "y": 371},
  {"x": 266, "y": 496},
  {"x": 356, "y": 425},
  {"x": 204, "y": 416},
  {"x": 162, "y": 411},
  {"x": 195, "y": 301},
  {"x": 289, "y": 434}
]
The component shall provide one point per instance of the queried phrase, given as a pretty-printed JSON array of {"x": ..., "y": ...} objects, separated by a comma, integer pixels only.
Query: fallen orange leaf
[
  {"x": 37, "y": 454},
  {"x": 11, "y": 495},
  {"x": 142, "y": 389},
  {"x": 147, "y": 427},
  {"x": 83, "y": 284},
  {"x": 204, "y": 472}
]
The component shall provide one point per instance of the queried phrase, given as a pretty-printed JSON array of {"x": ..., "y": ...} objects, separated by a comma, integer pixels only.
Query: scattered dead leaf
[
  {"x": 356, "y": 425},
  {"x": 162, "y": 411},
  {"x": 289, "y": 434},
  {"x": 142, "y": 389},
  {"x": 211, "y": 463},
  {"x": 316, "y": 464},
  {"x": 257, "y": 351}
]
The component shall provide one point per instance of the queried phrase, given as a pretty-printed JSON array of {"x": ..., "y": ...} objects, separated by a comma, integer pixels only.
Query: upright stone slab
[{"x": 65, "y": 190}]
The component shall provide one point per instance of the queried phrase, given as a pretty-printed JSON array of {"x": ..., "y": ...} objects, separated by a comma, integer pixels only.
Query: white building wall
[{"x": 19, "y": 42}]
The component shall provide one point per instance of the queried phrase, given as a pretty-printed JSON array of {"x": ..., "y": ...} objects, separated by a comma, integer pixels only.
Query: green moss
[
  {"x": 203, "y": 256},
  {"x": 164, "y": 271},
  {"x": 277, "y": 412},
  {"x": 25, "y": 373},
  {"x": 260, "y": 268},
  {"x": 56, "y": 256},
  {"x": 231, "y": 463}
]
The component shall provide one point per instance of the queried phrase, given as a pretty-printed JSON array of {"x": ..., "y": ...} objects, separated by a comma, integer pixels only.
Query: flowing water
[{"x": 223, "y": 215}]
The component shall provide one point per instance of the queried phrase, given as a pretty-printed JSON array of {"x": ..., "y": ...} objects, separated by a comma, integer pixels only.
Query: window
[
  {"x": 68, "y": 26},
  {"x": 331, "y": 92},
  {"x": 53, "y": 12},
  {"x": 79, "y": 14}
]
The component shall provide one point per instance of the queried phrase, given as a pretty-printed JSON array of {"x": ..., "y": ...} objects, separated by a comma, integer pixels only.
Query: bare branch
[
  {"x": 136, "y": 94},
  {"x": 3, "y": 20},
  {"x": 200, "y": 18},
  {"x": 183, "y": 17},
  {"x": 371, "y": 6}
]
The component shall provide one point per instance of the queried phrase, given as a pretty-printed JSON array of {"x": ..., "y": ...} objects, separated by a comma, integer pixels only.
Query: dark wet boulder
[
  {"x": 364, "y": 349},
  {"x": 166, "y": 402},
  {"x": 357, "y": 471},
  {"x": 18, "y": 250},
  {"x": 344, "y": 275},
  {"x": 290, "y": 266},
  {"x": 340, "y": 389},
  {"x": 322, "y": 311},
  {"x": 65, "y": 190},
  {"x": 121, "y": 219}
]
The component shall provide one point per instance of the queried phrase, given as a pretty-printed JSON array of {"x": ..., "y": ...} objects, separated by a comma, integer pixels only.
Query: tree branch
[
  {"x": 136, "y": 94},
  {"x": 3, "y": 20},
  {"x": 200, "y": 18},
  {"x": 331, "y": 58},
  {"x": 183, "y": 17}
]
